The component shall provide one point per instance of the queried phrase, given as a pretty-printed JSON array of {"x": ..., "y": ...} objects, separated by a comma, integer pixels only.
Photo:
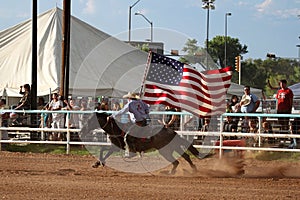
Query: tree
[
  {"x": 233, "y": 48},
  {"x": 196, "y": 54},
  {"x": 191, "y": 47},
  {"x": 216, "y": 51}
]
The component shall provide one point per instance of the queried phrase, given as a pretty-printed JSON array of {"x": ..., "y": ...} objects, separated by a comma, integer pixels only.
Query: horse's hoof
[
  {"x": 172, "y": 172},
  {"x": 194, "y": 168},
  {"x": 96, "y": 164}
]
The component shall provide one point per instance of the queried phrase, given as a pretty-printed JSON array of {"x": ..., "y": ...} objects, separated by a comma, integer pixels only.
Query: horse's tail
[
  {"x": 189, "y": 146},
  {"x": 193, "y": 150}
]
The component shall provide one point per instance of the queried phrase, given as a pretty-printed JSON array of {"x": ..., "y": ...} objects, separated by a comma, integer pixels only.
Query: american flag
[{"x": 178, "y": 85}]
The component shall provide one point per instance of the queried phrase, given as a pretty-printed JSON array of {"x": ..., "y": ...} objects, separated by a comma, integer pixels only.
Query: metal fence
[{"x": 189, "y": 128}]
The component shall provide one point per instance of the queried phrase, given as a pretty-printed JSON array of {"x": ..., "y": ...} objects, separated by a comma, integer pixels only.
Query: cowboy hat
[
  {"x": 131, "y": 95},
  {"x": 246, "y": 99}
]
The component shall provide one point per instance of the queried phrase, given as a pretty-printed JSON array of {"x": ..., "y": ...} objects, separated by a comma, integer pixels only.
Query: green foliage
[
  {"x": 46, "y": 148},
  {"x": 144, "y": 47},
  {"x": 191, "y": 47},
  {"x": 216, "y": 49},
  {"x": 268, "y": 156}
]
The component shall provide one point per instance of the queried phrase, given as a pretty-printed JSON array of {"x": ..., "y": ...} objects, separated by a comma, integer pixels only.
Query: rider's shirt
[{"x": 138, "y": 108}]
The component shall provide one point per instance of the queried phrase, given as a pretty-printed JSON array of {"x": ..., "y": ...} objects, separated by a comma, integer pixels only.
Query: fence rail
[{"x": 218, "y": 133}]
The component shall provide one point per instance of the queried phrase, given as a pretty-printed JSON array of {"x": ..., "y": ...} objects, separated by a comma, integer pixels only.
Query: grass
[
  {"x": 80, "y": 150},
  {"x": 46, "y": 148},
  {"x": 284, "y": 156}
]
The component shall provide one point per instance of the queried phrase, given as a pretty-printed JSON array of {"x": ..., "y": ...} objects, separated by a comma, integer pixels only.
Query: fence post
[
  {"x": 259, "y": 131},
  {"x": 0, "y": 133},
  {"x": 68, "y": 132},
  {"x": 221, "y": 137}
]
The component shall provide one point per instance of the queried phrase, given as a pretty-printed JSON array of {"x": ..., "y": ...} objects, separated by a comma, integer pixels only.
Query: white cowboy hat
[
  {"x": 246, "y": 100},
  {"x": 131, "y": 95}
]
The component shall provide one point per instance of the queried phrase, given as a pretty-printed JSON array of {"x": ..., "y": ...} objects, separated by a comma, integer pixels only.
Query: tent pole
[
  {"x": 64, "y": 64},
  {"x": 67, "y": 45},
  {"x": 34, "y": 57},
  {"x": 62, "y": 72}
]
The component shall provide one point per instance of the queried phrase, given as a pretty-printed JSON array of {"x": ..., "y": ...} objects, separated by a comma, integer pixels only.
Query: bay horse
[{"x": 165, "y": 140}]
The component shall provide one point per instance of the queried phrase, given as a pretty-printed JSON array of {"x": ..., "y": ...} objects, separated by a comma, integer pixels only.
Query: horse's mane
[{"x": 111, "y": 127}]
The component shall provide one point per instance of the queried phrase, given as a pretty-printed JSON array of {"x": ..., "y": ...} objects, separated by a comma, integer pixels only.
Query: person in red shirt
[{"x": 284, "y": 98}]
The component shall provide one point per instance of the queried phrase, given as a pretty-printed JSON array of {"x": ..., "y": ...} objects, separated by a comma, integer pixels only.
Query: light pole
[
  {"x": 298, "y": 45},
  {"x": 207, "y": 4},
  {"x": 225, "y": 50},
  {"x": 129, "y": 19},
  {"x": 151, "y": 24}
]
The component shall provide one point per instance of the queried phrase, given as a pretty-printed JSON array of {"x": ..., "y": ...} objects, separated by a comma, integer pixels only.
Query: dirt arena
[{"x": 46, "y": 176}]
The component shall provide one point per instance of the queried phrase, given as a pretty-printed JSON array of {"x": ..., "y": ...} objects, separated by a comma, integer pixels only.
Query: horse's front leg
[{"x": 102, "y": 159}]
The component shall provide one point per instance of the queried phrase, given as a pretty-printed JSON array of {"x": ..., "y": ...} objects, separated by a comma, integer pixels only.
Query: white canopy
[
  {"x": 296, "y": 90},
  {"x": 99, "y": 63}
]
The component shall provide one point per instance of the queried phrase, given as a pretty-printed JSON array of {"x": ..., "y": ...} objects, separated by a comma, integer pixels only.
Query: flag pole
[{"x": 146, "y": 72}]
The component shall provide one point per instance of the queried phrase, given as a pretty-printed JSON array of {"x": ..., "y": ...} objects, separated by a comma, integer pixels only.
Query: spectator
[
  {"x": 73, "y": 117},
  {"x": 284, "y": 98},
  {"x": 268, "y": 130},
  {"x": 234, "y": 106},
  {"x": 252, "y": 126},
  {"x": 253, "y": 141},
  {"x": 230, "y": 126},
  {"x": 249, "y": 102},
  {"x": 57, "y": 118},
  {"x": 193, "y": 123},
  {"x": 44, "y": 116},
  {"x": 116, "y": 106},
  {"x": 171, "y": 121},
  {"x": 295, "y": 128},
  {"x": 97, "y": 106},
  {"x": 25, "y": 101},
  {"x": 104, "y": 106},
  {"x": 41, "y": 103},
  {"x": 84, "y": 116},
  {"x": 24, "y": 104},
  {"x": 245, "y": 125},
  {"x": 205, "y": 126}
]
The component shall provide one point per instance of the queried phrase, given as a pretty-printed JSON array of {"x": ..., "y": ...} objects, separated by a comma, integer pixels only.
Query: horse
[{"x": 165, "y": 140}]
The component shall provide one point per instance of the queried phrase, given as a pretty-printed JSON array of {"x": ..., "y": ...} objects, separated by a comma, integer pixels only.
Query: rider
[{"x": 139, "y": 113}]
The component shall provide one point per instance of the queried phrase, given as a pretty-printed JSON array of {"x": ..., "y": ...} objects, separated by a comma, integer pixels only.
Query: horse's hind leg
[
  {"x": 169, "y": 157},
  {"x": 187, "y": 158}
]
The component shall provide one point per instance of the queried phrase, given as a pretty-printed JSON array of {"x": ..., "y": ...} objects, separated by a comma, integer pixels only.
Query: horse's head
[
  {"x": 90, "y": 124},
  {"x": 102, "y": 118}
]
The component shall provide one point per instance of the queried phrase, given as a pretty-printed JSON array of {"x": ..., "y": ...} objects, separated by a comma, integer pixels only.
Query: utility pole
[{"x": 238, "y": 67}]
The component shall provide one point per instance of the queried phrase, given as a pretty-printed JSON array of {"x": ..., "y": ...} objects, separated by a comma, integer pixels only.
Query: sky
[{"x": 264, "y": 26}]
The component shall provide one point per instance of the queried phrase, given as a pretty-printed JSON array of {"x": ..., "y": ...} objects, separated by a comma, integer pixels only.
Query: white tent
[
  {"x": 296, "y": 90},
  {"x": 99, "y": 63}
]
